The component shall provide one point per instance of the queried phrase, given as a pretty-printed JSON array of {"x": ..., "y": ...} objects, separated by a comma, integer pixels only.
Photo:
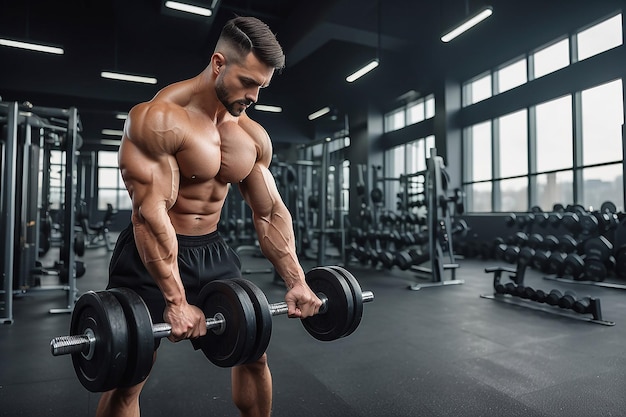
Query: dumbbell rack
[{"x": 516, "y": 295}]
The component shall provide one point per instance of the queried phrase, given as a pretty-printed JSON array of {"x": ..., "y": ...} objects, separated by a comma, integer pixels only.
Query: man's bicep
[
  {"x": 150, "y": 179},
  {"x": 260, "y": 191}
]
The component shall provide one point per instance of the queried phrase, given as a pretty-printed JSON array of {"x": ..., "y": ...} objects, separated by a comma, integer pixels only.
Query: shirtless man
[{"x": 178, "y": 154}]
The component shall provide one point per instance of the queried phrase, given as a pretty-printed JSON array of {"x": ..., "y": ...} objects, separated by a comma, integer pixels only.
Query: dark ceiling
[{"x": 324, "y": 41}]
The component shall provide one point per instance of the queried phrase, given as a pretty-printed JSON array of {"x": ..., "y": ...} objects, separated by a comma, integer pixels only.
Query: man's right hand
[{"x": 187, "y": 321}]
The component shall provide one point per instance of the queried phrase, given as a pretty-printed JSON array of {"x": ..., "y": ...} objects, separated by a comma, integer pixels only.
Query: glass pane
[
  {"x": 123, "y": 202},
  {"x": 514, "y": 194},
  {"x": 108, "y": 177},
  {"x": 430, "y": 106},
  {"x": 394, "y": 120},
  {"x": 602, "y": 119},
  {"x": 430, "y": 143},
  {"x": 107, "y": 159},
  {"x": 481, "y": 197},
  {"x": 57, "y": 176},
  {"x": 56, "y": 196},
  {"x": 512, "y": 75},
  {"x": 600, "y": 38},
  {"x": 554, "y": 134},
  {"x": 57, "y": 157},
  {"x": 415, "y": 112},
  {"x": 478, "y": 90},
  {"x": 394, "y": 166},
  {"x": 480, "y": 145},
  {"x": 602, "y": 184},
  {"x": 553, "y": 188},
  {"x": 513, "y": 133},
  {"x": 416, "y": 160},
  {"x": 551, "y": 58}
]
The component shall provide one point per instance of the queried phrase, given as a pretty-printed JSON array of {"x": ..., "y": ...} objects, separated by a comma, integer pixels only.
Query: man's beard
[{"x": 222, "y": 95}]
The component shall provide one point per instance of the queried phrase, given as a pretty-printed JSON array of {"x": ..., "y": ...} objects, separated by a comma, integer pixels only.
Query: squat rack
[
  {"x": 439, "y": 228},
  {"x": 8, "y": 193}
]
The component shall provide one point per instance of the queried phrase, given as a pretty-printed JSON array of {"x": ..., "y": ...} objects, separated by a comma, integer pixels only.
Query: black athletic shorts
[{"x": 201, "y": 259}]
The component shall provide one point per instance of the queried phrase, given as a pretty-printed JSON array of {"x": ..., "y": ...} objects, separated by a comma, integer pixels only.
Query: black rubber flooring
[{"x": 441, "y": 351}]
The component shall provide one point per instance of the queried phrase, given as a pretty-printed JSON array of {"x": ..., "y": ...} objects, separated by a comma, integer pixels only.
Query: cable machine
[{"x": 25, "y": 199}]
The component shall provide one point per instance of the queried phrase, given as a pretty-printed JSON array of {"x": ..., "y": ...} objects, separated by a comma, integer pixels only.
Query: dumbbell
[
  {"x": 574, "y": 266},
  {"x": 553, "y": 297},
  {"x": 541, "y": 260},
  {"x": 556, "y": 263},
  {"x": 567, "y": 300},
  {"x": 582, "y": 306},
  {"x": 598, "y": 258},
  {"x": 406, "y": 259},
  {"x": 112, "y": 337}
]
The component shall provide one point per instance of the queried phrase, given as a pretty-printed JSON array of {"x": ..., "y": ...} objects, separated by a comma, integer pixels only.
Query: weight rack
[{"x": 516, "y": 296}]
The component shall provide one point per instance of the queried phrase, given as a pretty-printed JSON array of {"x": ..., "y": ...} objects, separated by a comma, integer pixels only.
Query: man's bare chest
[{"x": 227, "y": 154}]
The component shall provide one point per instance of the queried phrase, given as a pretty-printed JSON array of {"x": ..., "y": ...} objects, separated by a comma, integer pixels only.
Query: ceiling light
[
  {"x": 361, "y": 72},
  {"x": 265, "y": 107},
  {"x": 121, "y": 116},
  {"x": 319, "y": 113},
  {"x": 189, "y": 8},
  {"x": 127, "y": 77},
  {"x": 109, "y": 142},
  {"x": 31, "y": 46},
  {"x": 468, "y": 24},
  {"x": 112, "y": 132}
]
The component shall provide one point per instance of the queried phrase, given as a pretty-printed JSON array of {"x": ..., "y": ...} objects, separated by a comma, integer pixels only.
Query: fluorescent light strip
[
  {"x": 121, "y": 116},
  {"x": 468, "y": 24},
  {"x": 109, "y": 142},
  {"x": 265, "y": 107},
  {"x": 183, "y": 7},
  {"x": 32, "y": 46},
  {"x": 112, "y": 132},
  {"x": 319, "y": 113},
  {"x": 358, "y": 74},
  {"x": 127, "y": 77}
]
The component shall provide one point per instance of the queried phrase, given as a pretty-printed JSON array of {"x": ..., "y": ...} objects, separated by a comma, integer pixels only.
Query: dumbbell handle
[{"x": 84, "y": 343}]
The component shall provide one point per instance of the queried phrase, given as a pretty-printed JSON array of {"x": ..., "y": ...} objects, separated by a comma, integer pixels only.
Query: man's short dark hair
[{"x": 249, "y": 34}]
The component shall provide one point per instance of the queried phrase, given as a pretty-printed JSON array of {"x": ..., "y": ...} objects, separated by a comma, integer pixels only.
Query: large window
[
  {"x": 57, "y": 179},
  {"x": 547, "y": 59},
  {"x": 111, "y": 189},
  {"x": 477, "y": 90},
  {"x": 551, "y": 58},
  {"x": 558, "y": 155},
  {"x": 554, "y": 134},
  {"x": 414, "y": 112},
  {"x": 512, "y": 75},
  {"x": 406, "y": 159},
  {"x": 599, "y": 38},
  {"x": 602, "y": 119},
  {"x": 564, "y": 150}
]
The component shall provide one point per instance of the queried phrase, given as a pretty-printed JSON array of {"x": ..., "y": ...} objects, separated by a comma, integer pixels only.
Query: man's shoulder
[{"x": 156, "y": 112}]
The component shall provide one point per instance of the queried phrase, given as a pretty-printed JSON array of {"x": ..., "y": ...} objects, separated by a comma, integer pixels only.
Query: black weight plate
[
  {"x": 263, "y": 318},
  {"x": 598, "y": 248},
  {"x": 339, "y": 315},
  {"x": 140, "y": 336},
  {"x": 357, "y": 294},
  {"x": 103, "y": 367},
  {"x": 608, "y": 207},
  {"x": 234, "y": 345}
]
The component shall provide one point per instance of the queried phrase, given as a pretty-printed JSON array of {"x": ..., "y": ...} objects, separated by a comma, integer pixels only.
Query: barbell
[{"x": 112, "y": 337}]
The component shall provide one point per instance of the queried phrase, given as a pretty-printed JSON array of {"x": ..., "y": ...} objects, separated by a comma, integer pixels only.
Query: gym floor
[{"x": 441, "y": 351}]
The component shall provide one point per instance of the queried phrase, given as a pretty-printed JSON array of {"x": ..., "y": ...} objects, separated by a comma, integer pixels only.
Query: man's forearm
[
  {"x": 277, "y": 242},
  {"x": 158, "y": 249}
]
